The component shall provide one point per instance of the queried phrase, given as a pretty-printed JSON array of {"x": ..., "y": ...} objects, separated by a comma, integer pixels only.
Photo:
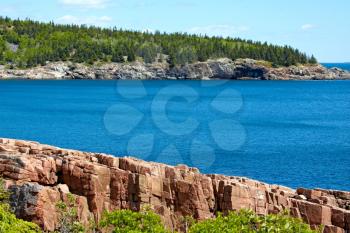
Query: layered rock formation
[
  {"x": 40, "y": 175},
  {"x": 212, "y": 69}
]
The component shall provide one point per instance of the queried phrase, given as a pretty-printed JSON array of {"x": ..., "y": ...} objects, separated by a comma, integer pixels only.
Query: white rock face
[{"x": 223, "y": 68}]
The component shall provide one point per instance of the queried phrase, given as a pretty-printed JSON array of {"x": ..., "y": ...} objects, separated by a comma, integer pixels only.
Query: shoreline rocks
[
  {"x": 223, "y": 68},
  {"x": 40, "y": 175}
]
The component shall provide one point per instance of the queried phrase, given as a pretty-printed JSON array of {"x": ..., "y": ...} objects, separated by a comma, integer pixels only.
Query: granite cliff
[
  {"x": 40, "y": 175},
  {"x": 212, "y": 69}
]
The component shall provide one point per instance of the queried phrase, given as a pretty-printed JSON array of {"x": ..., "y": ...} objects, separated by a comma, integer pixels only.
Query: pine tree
[
  {"x": 40, "y": 42},
  {"x": 313, "y": 60}
]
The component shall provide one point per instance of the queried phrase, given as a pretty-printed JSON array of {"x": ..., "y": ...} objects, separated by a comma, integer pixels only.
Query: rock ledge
[
  {"x": 40, "y": 175},
  {"x": 212, "y": 69}
]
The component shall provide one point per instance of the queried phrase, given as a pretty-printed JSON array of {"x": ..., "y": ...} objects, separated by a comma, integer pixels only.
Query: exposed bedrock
[
  {"x": 212, "y": 69},
  {"x": 40, "y": 175}
]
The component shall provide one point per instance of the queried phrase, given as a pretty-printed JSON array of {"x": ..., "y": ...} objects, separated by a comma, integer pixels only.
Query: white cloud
[
  {"x": 68, "y": 19},
  {"x": 86, "y": 3},
  {"x": 90, "y": 20},
  {"x": 105, "y": 19},
  {"x": 306, "y": 27},
  {"x": 218, "y": 30}
]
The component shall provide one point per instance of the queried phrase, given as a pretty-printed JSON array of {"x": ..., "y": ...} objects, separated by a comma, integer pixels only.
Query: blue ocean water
[
  {"x": 293, "y": 133},
  {"x": 344, "y": 66}
]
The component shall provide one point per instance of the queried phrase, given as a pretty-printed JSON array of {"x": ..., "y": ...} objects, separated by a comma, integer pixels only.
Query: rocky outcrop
[
  {"x": 40, "y": 175},
  {"x": 211, "y": 69}
]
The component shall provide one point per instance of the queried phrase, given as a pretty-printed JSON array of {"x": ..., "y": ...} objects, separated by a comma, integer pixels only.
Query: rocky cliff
[
  {"x": 40, "y": 175},
  {"x": 212, "y": 69}
]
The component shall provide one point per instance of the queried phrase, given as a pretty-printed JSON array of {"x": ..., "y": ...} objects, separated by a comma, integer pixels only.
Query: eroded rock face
[
  {"x": 39, "y": 176},
  {"x": 223, "y": 68}
]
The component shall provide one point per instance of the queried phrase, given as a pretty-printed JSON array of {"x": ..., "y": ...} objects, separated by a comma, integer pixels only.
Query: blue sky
[{"x": 319, "y": 27}]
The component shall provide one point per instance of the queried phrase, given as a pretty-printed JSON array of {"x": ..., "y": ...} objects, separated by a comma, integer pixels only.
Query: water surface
[
  {"x": 294, "y": 133},
  {"x": 344, "y": 66}
]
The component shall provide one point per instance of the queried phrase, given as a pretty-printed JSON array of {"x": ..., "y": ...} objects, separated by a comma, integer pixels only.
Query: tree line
[{"x": 28, "y": 43}]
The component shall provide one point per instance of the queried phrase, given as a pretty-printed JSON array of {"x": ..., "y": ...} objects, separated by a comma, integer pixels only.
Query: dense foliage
[
  {"x": 244, "y": 221},
  {"x": 26, "y": 43},
  {"x": 8, "y": 221},
  {"x": 124, "y": 221},
  {"x": 248, "y": 222}
]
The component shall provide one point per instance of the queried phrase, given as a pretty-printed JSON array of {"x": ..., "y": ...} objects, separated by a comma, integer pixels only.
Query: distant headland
[{"x": 35, "y": 50}]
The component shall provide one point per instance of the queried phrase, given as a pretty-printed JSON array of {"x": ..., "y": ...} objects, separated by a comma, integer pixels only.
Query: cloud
[
  {"x": 89, "y": 20},
  {"x": 306, "y": 27},
  {"x": 68, "y": 19},
  {"x": 105, "y": 19},
  {"x": 218, "y": 30},
  {"x": 99, "y": 4}
]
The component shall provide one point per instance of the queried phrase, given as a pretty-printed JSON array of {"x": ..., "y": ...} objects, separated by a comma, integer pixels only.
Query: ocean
[
  {"x": 344, "y": 66},
  {"x": 293, "y": 133}
]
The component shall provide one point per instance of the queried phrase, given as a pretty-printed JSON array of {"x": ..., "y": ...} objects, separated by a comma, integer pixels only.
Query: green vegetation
[
  {"x": 26, "y": 43},
  {"x": 244, "y": 221},
  {"x": 68, "y": 216},
  {"x": 248, "y": 222},
  {"x": 127, "y": 221},
  {"x": 8, "y": 221}
]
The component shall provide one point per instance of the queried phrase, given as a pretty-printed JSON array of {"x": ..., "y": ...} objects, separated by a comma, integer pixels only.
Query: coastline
[
  {"x": 40, "y": 175},
  {"x": 240, "y": 69}
]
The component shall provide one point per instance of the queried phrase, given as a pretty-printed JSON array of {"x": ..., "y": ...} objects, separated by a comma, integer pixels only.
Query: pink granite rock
[{"x": 41, "y": 175}]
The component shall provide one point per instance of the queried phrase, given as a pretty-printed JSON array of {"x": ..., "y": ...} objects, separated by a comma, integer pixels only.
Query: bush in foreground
[
  {"x": 123, "y": 221},
  {"x": 68, "y": 216},
  {"x": 246, "y": 221},
  {"x": 10, "y": 224},
  {"x": 8, "y": 221}
]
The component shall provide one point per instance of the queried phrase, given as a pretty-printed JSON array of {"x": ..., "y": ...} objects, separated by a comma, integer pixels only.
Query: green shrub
[
  {"x": 8, "y": 221},
  {"x": 246, "y": 221},
  {"x": 68, "y": 216},
  {"x": 10, "y": 224},
  {"x": 127, "y": 221},
  {"x": 4, "y": 194}
]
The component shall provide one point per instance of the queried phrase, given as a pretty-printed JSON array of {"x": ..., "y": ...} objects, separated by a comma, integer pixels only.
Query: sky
[{"x": 319, "y": 27}]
